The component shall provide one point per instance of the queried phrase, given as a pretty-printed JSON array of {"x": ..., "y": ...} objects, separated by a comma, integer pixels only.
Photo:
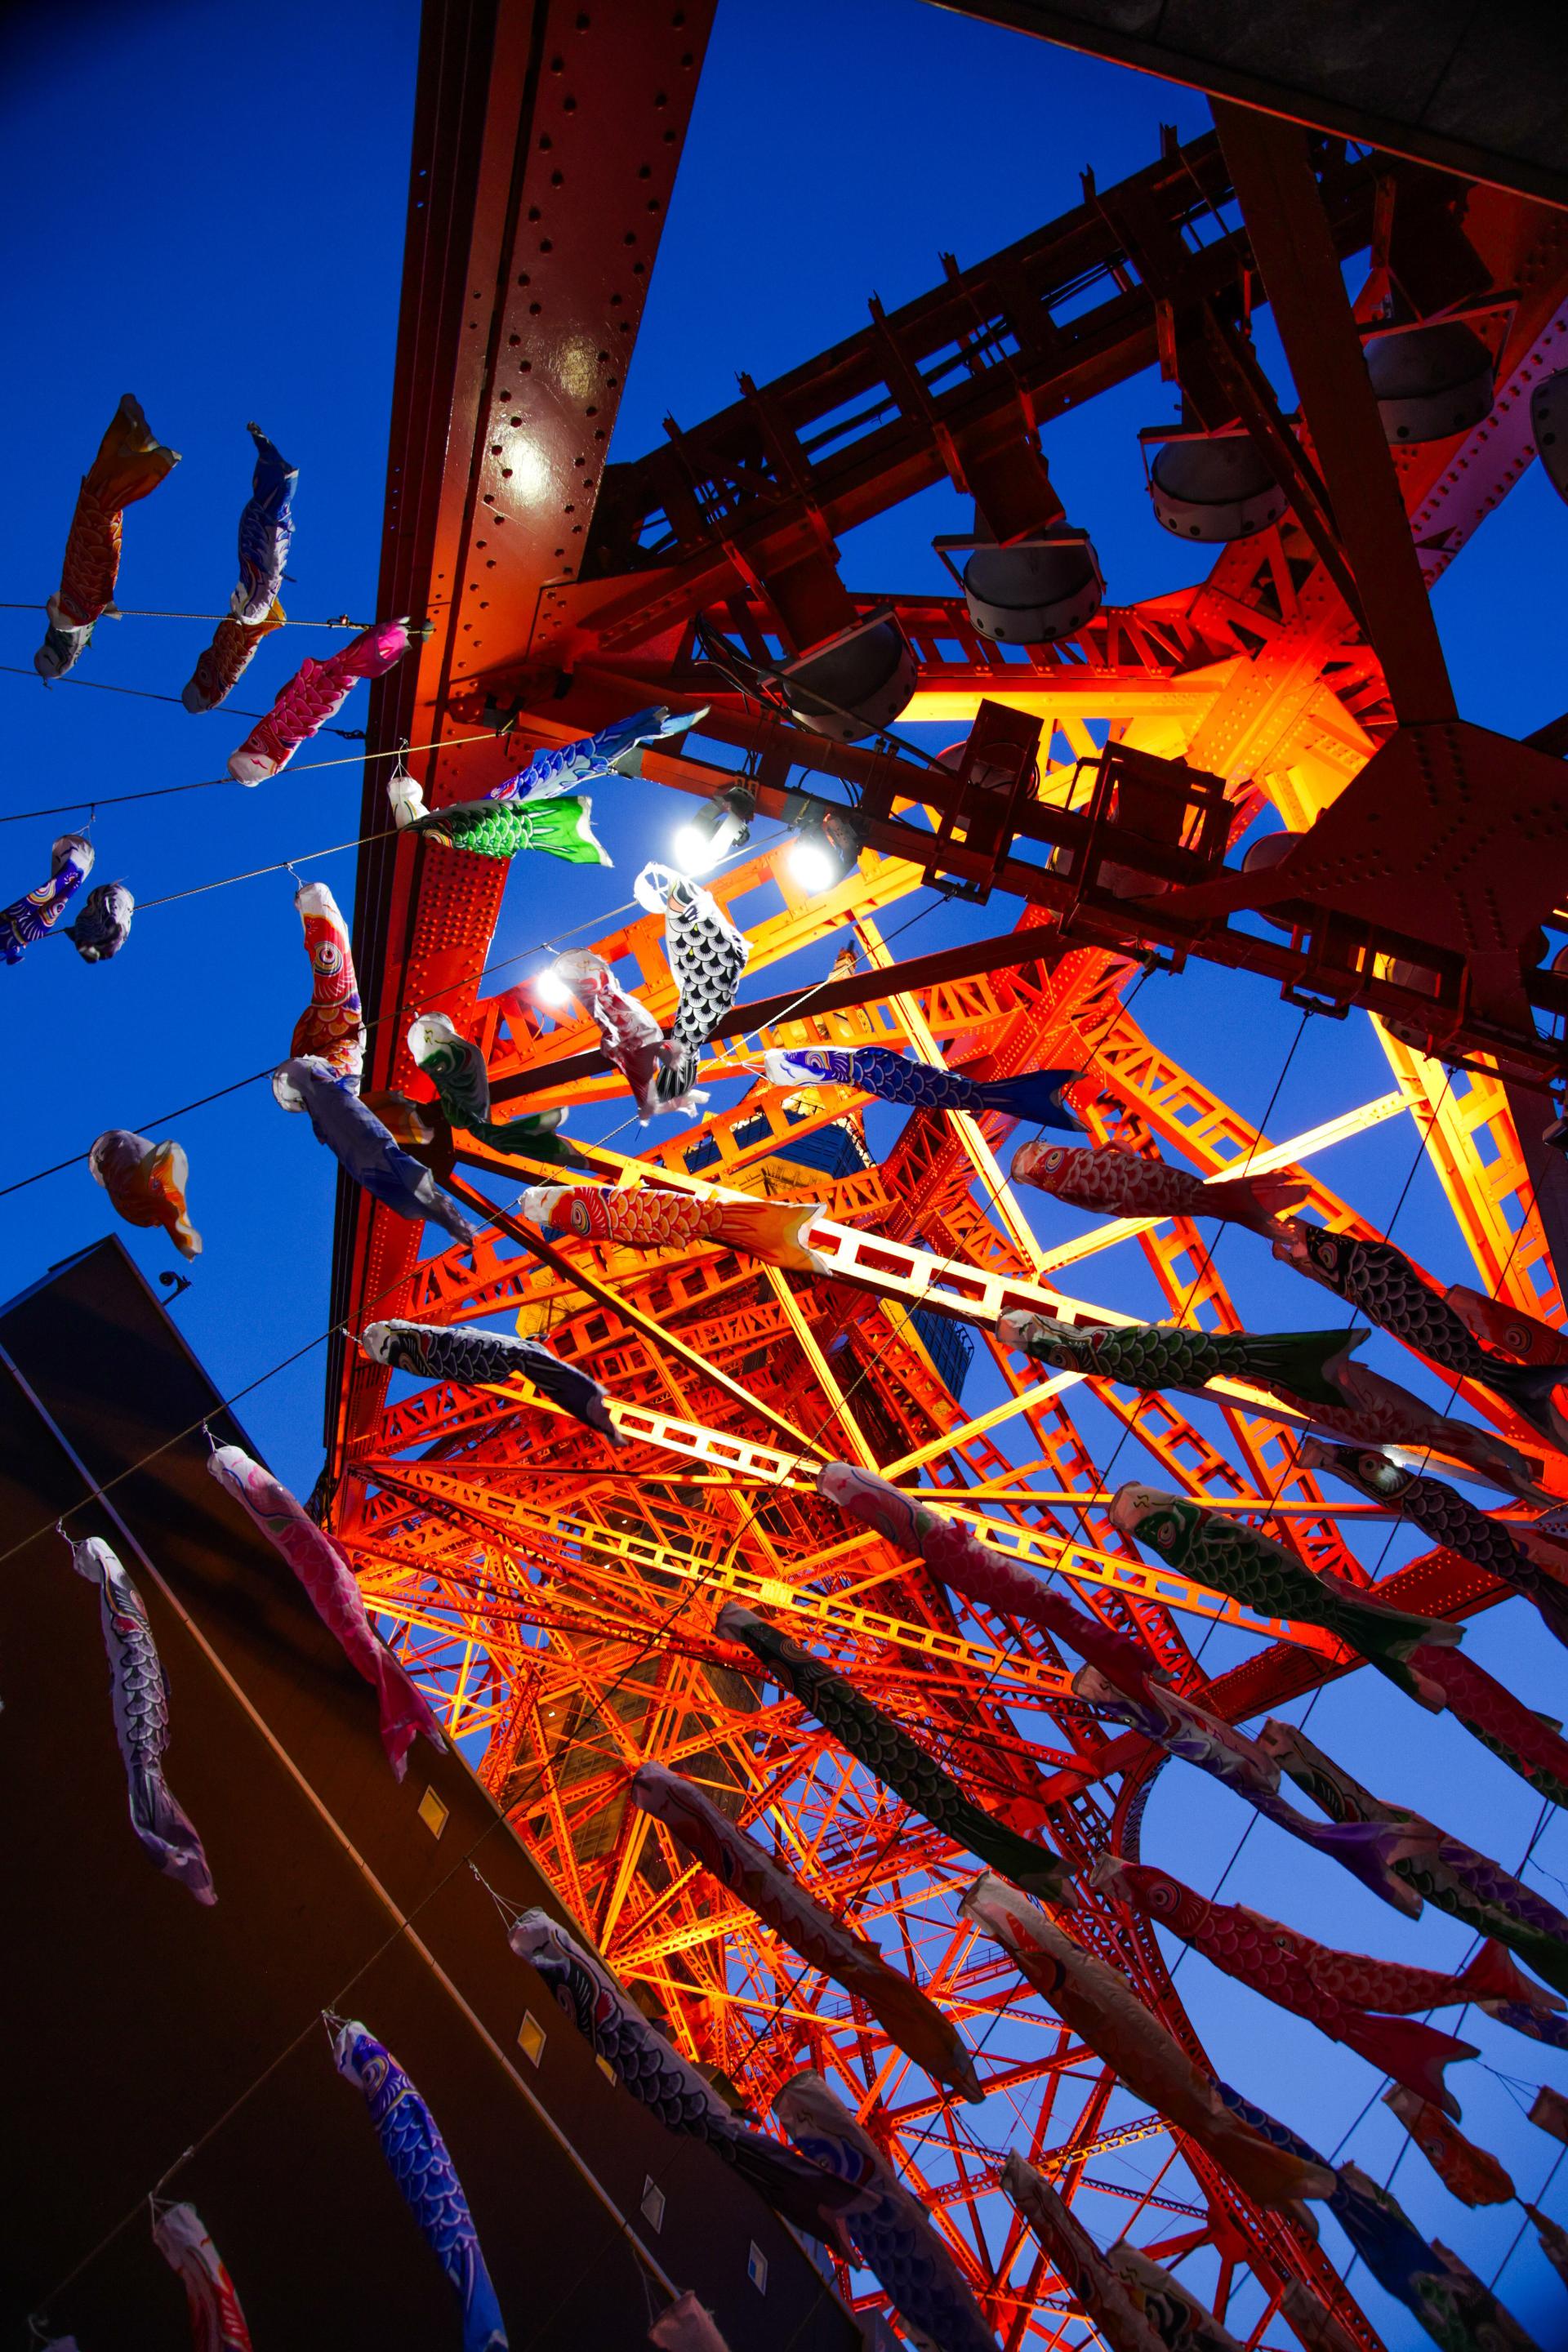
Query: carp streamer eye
[
  {"x": 1054, "y": 1158},
  {"x": 578, "y": 1216}
]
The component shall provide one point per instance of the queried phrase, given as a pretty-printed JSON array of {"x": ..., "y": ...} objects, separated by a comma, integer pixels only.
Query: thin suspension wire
[
  {"x": 147, "y": 612},
  {"x": 209, "y": 784}
]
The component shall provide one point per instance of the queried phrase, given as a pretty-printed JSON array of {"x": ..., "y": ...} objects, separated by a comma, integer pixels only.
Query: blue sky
[{"x": 228, "y": 250}]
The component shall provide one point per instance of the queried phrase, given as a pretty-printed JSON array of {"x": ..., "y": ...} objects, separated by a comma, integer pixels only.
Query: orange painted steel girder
[{"x": 562, "y": 1634}]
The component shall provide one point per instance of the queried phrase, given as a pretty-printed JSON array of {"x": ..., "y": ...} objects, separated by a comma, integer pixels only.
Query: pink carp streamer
[
  {"x": 912, "y": 2022},
  {"x": 774, "y": 1230},
  {"x": 217, "y": 2323},
  {"x": 335, "y": 1597},
  {"x": 1100, "y": 2006},
  {"x": 957, "y": 1554},
  {"x": 1336, "y": 1991},
  {"x": 316, "y": 693}
]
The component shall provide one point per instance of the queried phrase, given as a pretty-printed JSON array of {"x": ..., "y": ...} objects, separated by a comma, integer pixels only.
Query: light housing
[
  {"x": 1031, "y": 592},
  {"x": 1431, "y": 380},
  {"x": 723, "y": 823},
  {"x": 856, "y": 684},
  {"x": 1215, "y": 488},
  {"x": 826, "y": 849}
]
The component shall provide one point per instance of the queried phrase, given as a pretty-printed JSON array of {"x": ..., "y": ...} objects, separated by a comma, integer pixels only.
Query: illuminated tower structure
[{"x": 560, "y": 1597}]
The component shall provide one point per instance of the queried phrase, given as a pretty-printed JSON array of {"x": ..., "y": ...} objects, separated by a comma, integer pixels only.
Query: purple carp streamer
[
  {"x": 266, "y": 531},
  {"x": 1099, "y": 2005},
  {"x": 363, "y": 1149},
  {"x": 890, "y": 2229},
  {"x": 1188, "y": 1731},
  {"x": 418, "y": 2159},
  {"x": 1448, "y": 2301},
  {"x": 1098, "y": 2290},
  {"x": 658, "y": 2077},
  {"x": 141, "y": 1692},
  {"x": 28, "y": 920},
  {"x": 740, "y": 1866},
  {"x": 1441, "y": 1868},
  {"x": 897, "y": 1078}
]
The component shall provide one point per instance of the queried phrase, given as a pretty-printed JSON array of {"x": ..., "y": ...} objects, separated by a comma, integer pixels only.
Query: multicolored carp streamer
[
  {"x": 330, "y": 1030},
  {"x": 1100, "y": 2006},
  {"x": 128, "y": 466},
  {"x": 1173, "y": 1356},
  {"x": 315, "y": 694},
  {"x": 1188, "y": 1731},
  {"x": 427, "y": 2177},
  {"x": 659, "y": 2078},
  {"x": 896, "y": 1760},
  {"x": 1262, "y": 1575},
  {"x": 502, "y": 824},
  {"x": 1441, "y": 1868},
  {"x": 1448, "y": 2301},
  {"x": 456, "y": 1069},
  {"x": 1336, "y": 1991},
  {"x": 1377, "y": 1412},
  {"x": 612, "y": 751},
  {"x": 472, "y": 1358},
  {"x": 335, "y": 1597},
  {"x": 221, "y": 666},
  {"x": 1381, "y": 1281},
  {"x": 1098, "y": 2291},
  {"x": 217, "y": 2323},
  {"x": 1447, "y": 1518},
  {"x": 103, "y": 926},
  {"x": 1116, "y": 1183},
  {"x": 891, "y": 2230},
  {"x": 1312, "y": 2322},
  {"x": 141, "y": 1692},
  {"x": 648, "y": 1218},
  {"x": 705, "y": 953},
  {"x": 266, "y": 531},
  {"x": 146, "y": 1184},
  {"x": 909, "y": 2020},
  {"x": 956, "y": 1554},
  {"x": 658, "y": 1073},
  {"x": 28, "y": 920},
  {"x": 364, "y": 1151},
  {"x": 1035, "y": 1096},
  {"x": 1181, "y": 2322},
  {"x": 1471, "y": 2174},
  {"x": 686, "y": 2326}
]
